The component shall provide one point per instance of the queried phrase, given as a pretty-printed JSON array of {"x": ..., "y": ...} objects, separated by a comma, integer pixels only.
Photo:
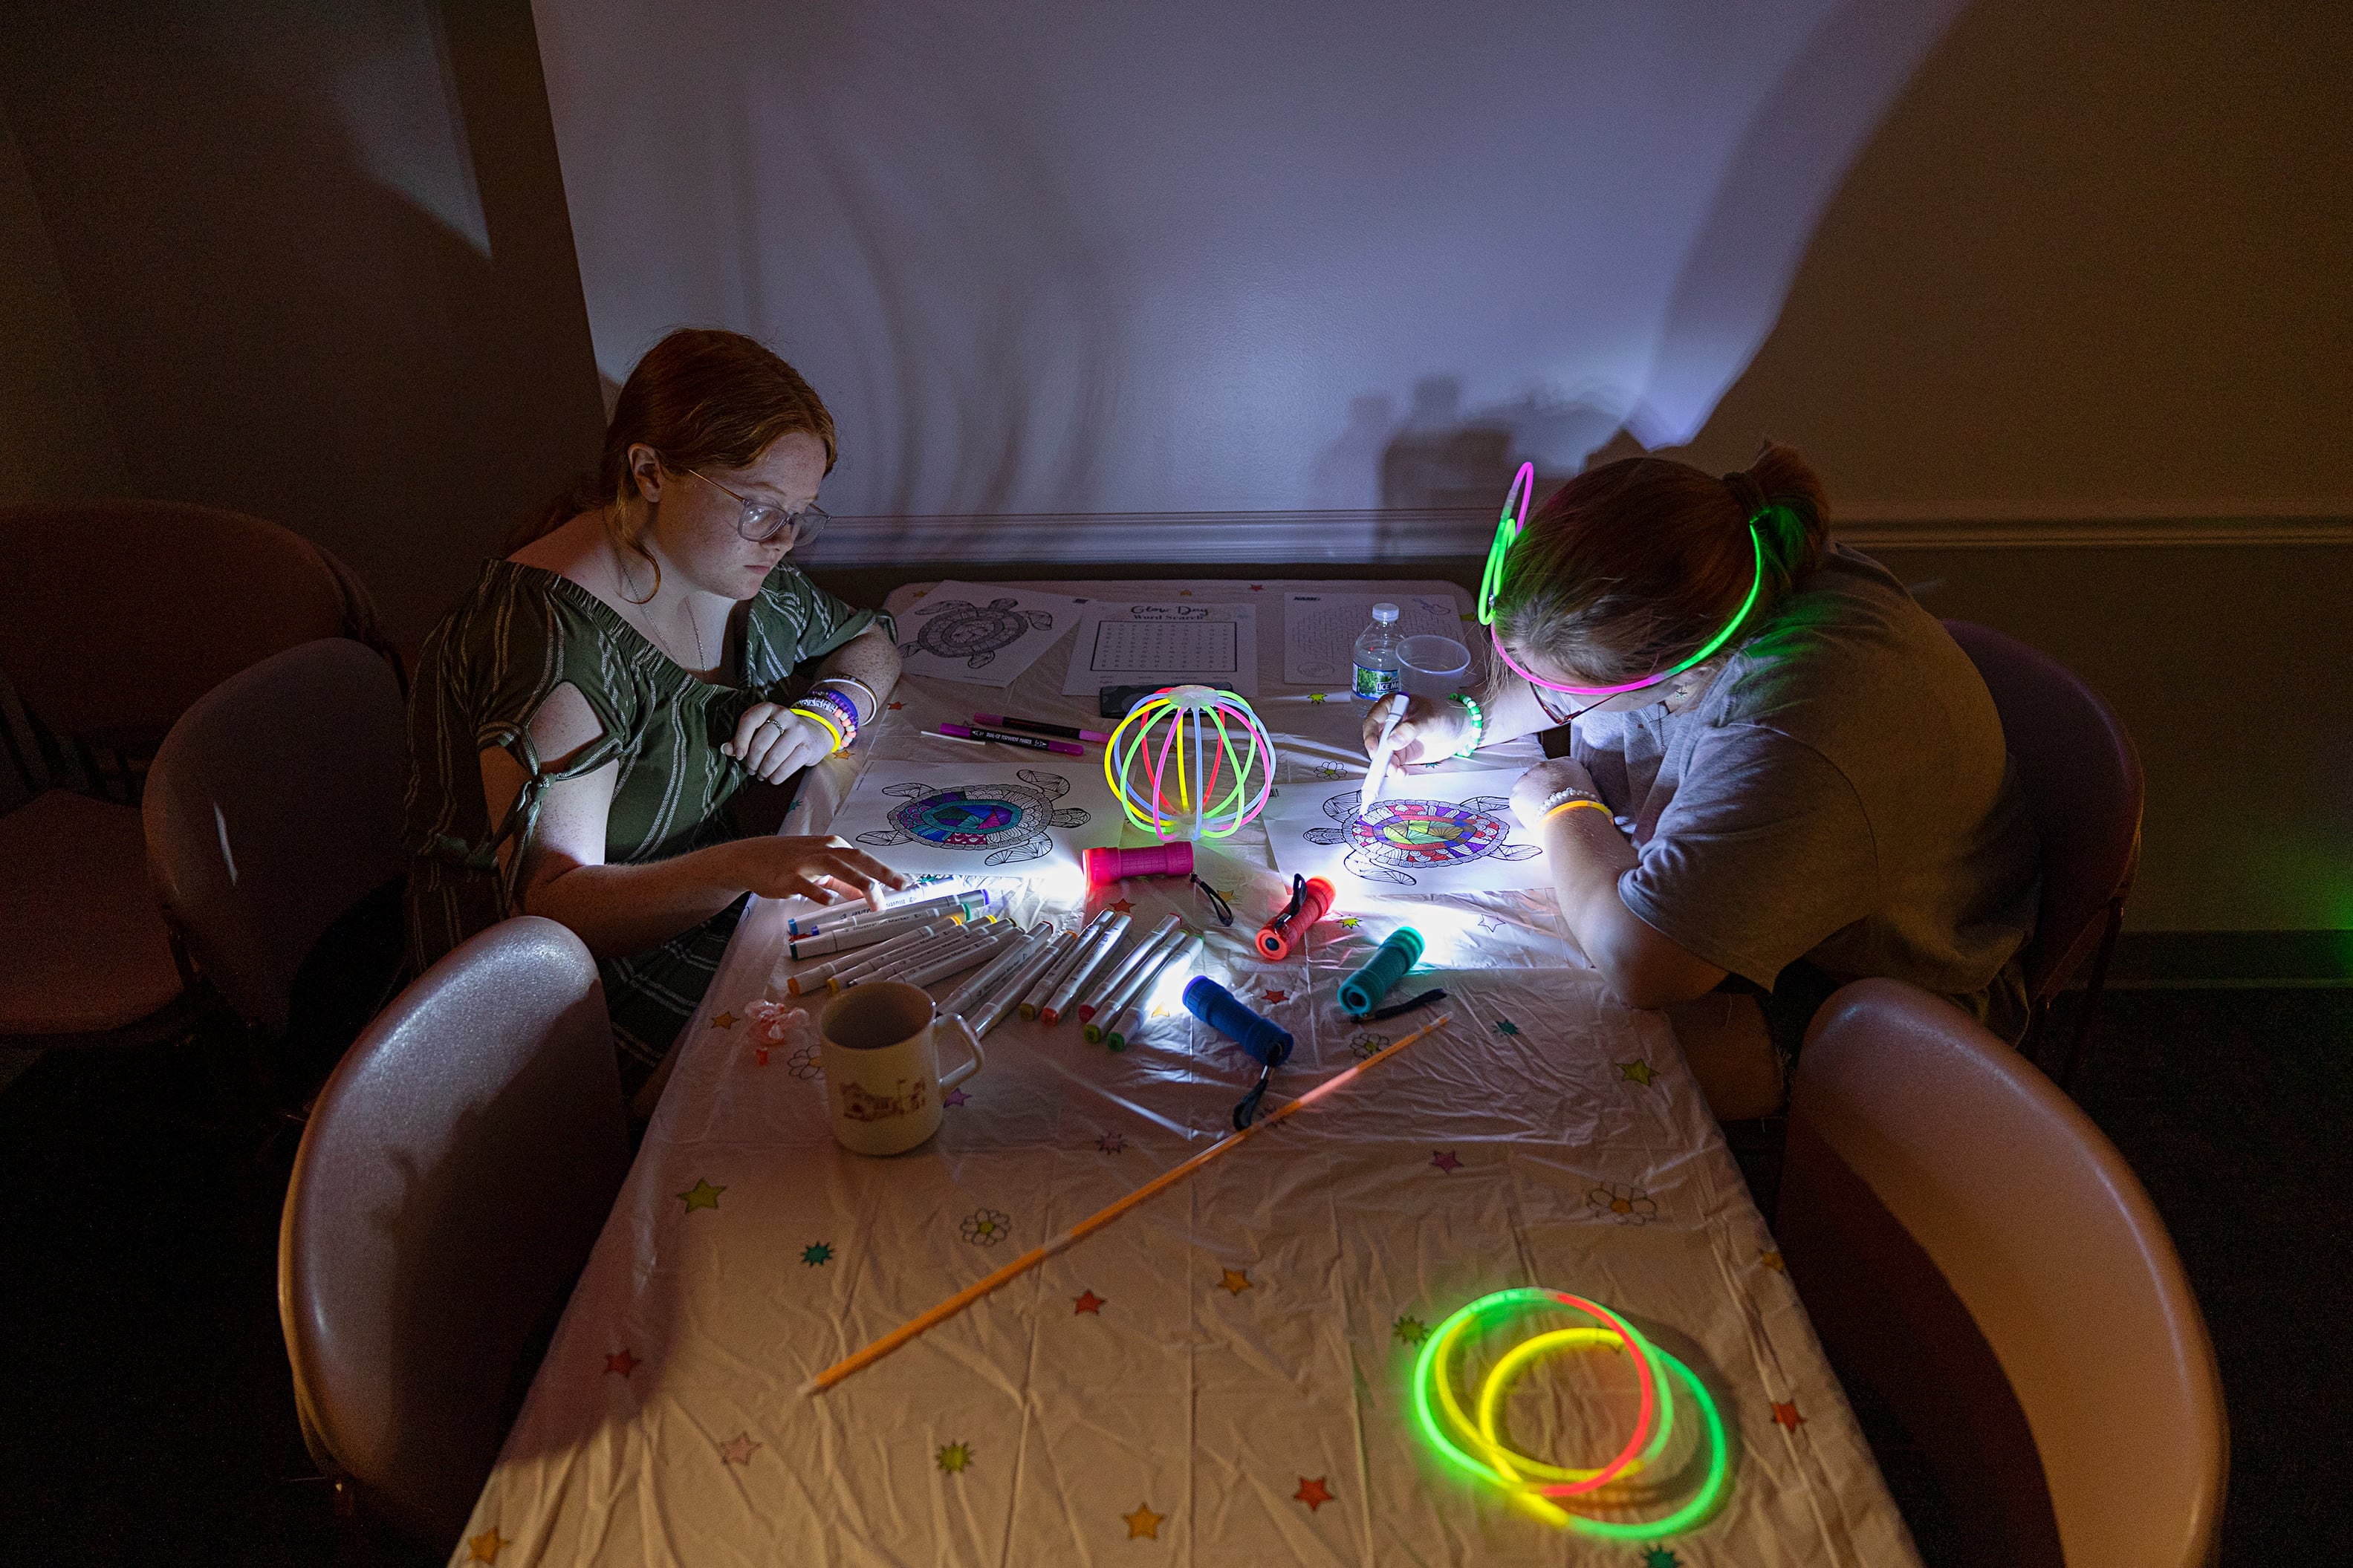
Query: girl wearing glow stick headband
[{"x": 1784, "y": 773}]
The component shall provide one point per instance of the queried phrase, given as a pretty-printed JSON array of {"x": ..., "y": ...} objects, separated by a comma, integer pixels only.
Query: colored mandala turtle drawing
[
  {"x": 1392, "y": 838},
  {"x": 960, "y": 629},
  {"x": 1007, "y": 820}
]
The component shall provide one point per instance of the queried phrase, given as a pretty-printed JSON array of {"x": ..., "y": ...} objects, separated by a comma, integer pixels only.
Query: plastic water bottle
[{"x": 1378, "y": 672}]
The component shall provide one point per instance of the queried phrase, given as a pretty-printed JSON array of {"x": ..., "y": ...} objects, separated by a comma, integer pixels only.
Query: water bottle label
[{"x": 1374, "y": 684}]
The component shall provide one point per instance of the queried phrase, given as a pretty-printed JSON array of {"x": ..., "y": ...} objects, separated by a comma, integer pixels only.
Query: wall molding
[{"x": 1450, "y": 535}]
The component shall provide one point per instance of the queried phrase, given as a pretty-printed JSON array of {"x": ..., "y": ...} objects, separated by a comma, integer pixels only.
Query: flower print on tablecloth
[
  {"x": 1624, "y": 1205},
  {"x": 986, "y": 1227}
]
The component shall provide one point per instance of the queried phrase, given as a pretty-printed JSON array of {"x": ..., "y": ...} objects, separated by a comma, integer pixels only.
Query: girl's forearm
[
  {"x": 869, "y": 659},
  {"x": 1510, "y": 705},
  {"x": 621, "y": 910}
]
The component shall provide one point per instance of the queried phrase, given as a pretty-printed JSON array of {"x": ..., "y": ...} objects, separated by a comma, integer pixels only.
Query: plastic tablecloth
[{"x": 1221, "y": 1376}]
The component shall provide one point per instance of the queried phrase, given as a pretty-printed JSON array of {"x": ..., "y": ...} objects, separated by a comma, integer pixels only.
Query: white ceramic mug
[{"x": 883, "y": 1078}]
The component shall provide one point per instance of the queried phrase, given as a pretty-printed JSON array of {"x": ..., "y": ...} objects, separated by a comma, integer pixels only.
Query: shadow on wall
[{"x": 274, "y": 329}]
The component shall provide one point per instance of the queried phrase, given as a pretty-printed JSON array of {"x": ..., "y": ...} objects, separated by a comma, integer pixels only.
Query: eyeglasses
[
  {"x": 1507, "y": 533},
  {"x": 761, "y": 523}
]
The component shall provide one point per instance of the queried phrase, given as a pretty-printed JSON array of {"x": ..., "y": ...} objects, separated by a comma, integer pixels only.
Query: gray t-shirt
[{"x": 1840, "y": 794}]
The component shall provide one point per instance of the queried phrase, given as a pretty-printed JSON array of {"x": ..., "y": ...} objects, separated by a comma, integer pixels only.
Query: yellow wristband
[
  {"x": 829, "y": 727},
  {"x": 1573, "y": 805}
]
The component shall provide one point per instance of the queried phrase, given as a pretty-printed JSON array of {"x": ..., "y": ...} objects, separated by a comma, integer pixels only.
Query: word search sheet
[
  {"x": 1141, "y": 642},
  {"x": 1320, "y": 630}
]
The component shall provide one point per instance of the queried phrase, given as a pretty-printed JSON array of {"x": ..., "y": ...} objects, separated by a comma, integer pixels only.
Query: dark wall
[{"x": 273, "y": 322}]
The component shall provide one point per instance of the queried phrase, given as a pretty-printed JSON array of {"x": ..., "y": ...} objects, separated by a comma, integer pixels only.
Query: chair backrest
[
  {"x": 1969, "y": 1244},
  {"x": 116, "y": 615},
  {"x": 455, "y": 1172},
  {"x": 2082, "y": 781},
  {"x": 271, "y": 807}
]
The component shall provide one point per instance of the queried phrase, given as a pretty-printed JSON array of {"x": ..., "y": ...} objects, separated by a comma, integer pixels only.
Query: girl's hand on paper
[{"x": 1431, "y": 730}]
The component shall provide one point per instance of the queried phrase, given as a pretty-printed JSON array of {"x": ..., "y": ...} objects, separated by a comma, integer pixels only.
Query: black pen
[{"x": 1003, "y": 738}]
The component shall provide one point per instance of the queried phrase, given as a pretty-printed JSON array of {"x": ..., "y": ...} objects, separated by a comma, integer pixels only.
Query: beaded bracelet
[
  {"x": 835, "y": 712},
  {"x": 873, "y": 703},
  {"x": 1572, "y": 792},
  {"x": 1478, "y": 724}
]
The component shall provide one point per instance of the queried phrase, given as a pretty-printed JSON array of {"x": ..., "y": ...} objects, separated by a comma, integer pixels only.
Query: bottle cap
[{"x": 1385, "y": 613}]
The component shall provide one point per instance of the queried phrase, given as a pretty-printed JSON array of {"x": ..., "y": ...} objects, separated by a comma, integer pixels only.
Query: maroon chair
[
  {"x": 114, "y": 617},
  {"x": 452, "y": 1178},
  {"x": 272, "y": 806},
  {"x": 1970, "y": 1247},
  {"x": 2083, "y": 788}
]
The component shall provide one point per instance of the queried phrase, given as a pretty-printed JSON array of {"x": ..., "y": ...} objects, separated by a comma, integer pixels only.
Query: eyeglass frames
[
  {"x": 759, "y": 523},
  {"x": 1517, "y": 502}
]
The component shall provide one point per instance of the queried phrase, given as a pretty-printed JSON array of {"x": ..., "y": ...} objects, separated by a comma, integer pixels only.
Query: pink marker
[
  {"x": 1006, "y": 738},
  {"x": 1040, "y": 727}
]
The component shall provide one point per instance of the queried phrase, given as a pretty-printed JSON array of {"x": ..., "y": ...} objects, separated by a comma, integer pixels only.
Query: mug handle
[{"x": 979, "y": 1060}]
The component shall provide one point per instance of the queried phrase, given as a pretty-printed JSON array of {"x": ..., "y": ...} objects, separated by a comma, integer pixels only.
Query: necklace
[{"x": 701, "y": 660}]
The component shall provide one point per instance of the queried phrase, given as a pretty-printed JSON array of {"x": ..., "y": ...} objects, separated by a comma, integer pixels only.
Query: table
[{"x": 1198, "y": 1383}]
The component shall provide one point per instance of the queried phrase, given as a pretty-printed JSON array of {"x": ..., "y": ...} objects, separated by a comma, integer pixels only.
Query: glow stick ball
[
  {"x": 1266, "y": 1040},
  {"x": 1105, "y": 865},
  {"x": 1362, "y": 991},
  {"x": 1190, "y": 760}
]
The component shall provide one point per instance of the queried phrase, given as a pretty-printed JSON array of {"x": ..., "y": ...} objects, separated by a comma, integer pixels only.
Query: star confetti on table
[
  {"x": 1184, "y": 593},
  {"x": 1314, "y": 1493},
  {"x": 1659, "y": 1557},
  {"x": 485, "y": 1547},
  {"x": 1506, "y": 1027},
  {"x": 738, "y": 1449},
  {"x": 1258, "y": 588},
  {"x": 1089, "y": 1303},
  {"x": 1445, "y": 1161},
  {"x": 955, "y": 1459},
  {"x": 921, "y": 592},
  {"x": 1770, "y": 1258},
  {"x": 1235, "y": 1280},
  {"x": 1410, "y": 1330},
  {"x": 955, "y": 1097},
  {"x": 1348, "y": 922},
  {"x": 1111, "y": 1143},
  {"x": 723, "y": 1021},
  {"x": 1274, "y": 996},
  {"x": 896, "y": 706},
  {"x": 702, "y": 1195},
  {"x": 1122, "y": 907},
  {"x": 1636, "y": 1071},
  {"x": 1785, "y": 1413},
  {"x": 1315, "y": 696},
  {"x": 816, "y": 1253},
  {"x": 1144, "y": 1524},
  {"x": 622, "y": 1363}
]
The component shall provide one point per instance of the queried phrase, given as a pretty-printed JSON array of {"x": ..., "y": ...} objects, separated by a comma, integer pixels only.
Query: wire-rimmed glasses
[{"x": 759, "y": 522}]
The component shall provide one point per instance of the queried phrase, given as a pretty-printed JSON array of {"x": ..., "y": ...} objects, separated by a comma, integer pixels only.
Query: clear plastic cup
[{"x": 1433, "y": 665}]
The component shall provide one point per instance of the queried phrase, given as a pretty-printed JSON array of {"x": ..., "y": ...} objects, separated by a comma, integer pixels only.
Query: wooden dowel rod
[{"x": 1094, "y": 1222}]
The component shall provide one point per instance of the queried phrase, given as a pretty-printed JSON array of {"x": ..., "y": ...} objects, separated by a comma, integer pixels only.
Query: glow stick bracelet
[
  {"x": 1131, "y": 1017},
  {"x": 1128, "y": 989},
  {"x": 1051, "y": 981},
  {"x": 922, "y": 952},
  {"x": 819, "y": 924},
  {"x": 855, "y": 937},
  {"x": 979, "y": 985},
  {"x": 808, "y": 980},
  {"x": 1091, "y": 960},
  {"x": 957, "y": 962},
  {"x": 992, "y": 1011},
  {"x": 1026, "y": 1004},
  {"x": 1090, "y": 1000},
  {"x": 1094, "y": 1222}
]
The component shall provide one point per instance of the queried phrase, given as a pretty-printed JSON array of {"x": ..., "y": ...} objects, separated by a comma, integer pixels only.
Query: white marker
[
  {"x": 808, "y": 980},
  {"x": 973, "y": 990},
  {"x": 1091, "y": 1000},
  {"x": 957, "y": 962},
  {"x": 1131, "y": 1017},
  {"x": 1379, "y": 773},
  {"x": 1097, "y": 949},
  {"x": 1059, "y": 971}
]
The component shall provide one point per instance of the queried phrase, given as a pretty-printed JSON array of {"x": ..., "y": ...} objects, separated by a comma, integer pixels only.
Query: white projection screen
[{"x": 1218, "y": 255}]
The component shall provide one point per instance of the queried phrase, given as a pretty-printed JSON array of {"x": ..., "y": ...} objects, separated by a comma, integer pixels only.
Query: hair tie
[{"x": 1747, "y": 492}]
